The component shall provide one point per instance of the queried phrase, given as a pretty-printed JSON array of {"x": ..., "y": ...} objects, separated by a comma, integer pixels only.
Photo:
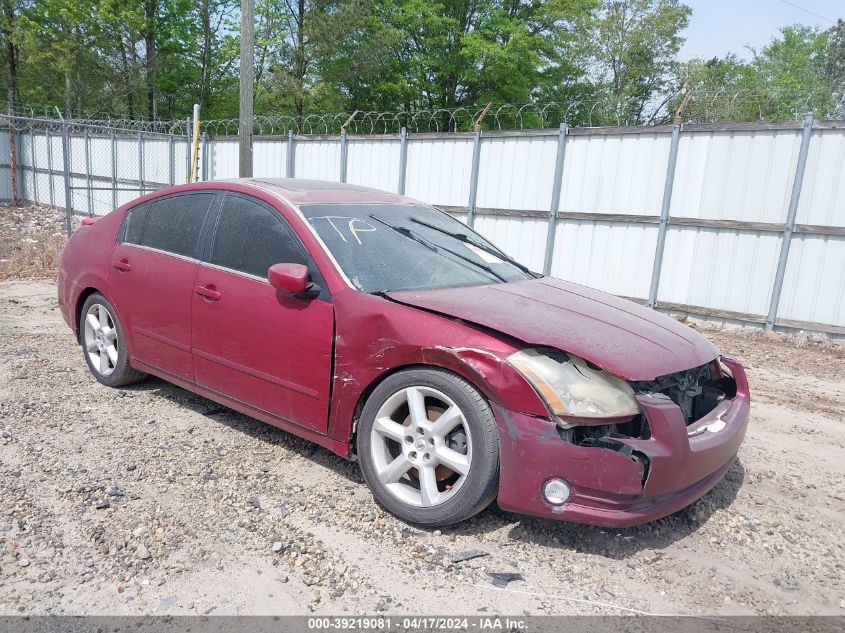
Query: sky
[{"x": 719, "y": 27}]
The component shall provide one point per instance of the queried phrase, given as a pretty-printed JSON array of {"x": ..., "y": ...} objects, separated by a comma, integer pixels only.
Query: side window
[
  {"x": 174, "y": 224},
  {"x": 134, "y": 223},
  {"x": 250, "y": 238}
]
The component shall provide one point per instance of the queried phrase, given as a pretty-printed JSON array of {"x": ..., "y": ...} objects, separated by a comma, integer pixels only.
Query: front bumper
[{"x": 676, "y": 466}]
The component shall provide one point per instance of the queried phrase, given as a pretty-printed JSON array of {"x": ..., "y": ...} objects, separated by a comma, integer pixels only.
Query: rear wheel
[
  {"x": 429, "y": 447},
  {"x": 104, "y": 344}
]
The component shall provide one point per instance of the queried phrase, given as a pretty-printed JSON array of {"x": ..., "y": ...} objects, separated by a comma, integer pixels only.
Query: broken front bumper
[{"x": 674, "y": 467}]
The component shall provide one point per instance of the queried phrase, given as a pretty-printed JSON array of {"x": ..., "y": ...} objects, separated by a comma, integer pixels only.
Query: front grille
[{"x": 696, "y": 391}]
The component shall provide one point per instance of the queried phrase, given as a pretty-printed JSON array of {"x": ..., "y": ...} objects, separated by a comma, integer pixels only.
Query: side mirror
[{"x": 292, "y": 278}]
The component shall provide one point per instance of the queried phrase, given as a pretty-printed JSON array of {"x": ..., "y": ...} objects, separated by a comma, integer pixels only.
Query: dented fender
[{"x": 375, "y": 337}]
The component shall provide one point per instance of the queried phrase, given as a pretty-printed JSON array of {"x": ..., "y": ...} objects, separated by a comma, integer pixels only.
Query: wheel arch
[
  {"x": 77, "y": 309},
  {"x": 378, "y": 380}
]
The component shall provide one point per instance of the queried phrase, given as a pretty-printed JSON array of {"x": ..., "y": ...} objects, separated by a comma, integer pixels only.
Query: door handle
[
  {"x": 208, "y": 293},
  {"x": 122, "y": 265}
]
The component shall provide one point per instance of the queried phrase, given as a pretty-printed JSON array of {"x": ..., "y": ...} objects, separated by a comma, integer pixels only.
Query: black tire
[
  {"x": 121, "y": 373},
  {"x": 481, "y": 482}
]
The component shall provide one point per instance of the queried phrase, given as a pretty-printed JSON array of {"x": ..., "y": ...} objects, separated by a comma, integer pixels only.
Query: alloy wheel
[
  {"x": 421, "y": 446},
  {"x": 100, "y": 339}
]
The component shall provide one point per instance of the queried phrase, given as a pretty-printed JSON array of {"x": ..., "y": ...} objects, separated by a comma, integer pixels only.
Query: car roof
[{"x": 305, "y": 191}]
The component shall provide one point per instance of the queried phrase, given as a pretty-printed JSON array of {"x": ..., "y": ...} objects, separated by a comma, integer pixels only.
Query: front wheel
[
  {"x": 104, "y": 344},
  {"x": 429, "y": 447}
]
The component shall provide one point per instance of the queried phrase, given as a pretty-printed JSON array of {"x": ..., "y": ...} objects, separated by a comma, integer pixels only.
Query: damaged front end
[{"x": 628, "y": 469}]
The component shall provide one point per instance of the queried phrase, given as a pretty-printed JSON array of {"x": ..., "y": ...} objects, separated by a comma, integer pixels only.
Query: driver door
[{"x": 252, "y": 342}]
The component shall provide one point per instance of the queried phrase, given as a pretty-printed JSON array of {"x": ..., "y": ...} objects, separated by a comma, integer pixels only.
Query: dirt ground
[{"x": 153, "y": 500}]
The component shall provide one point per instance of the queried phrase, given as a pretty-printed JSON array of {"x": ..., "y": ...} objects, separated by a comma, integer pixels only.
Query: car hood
[{"x": 622, "y": 337}]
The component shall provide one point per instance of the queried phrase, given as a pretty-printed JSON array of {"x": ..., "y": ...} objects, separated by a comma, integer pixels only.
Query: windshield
[{"x": 383, "y": 247}]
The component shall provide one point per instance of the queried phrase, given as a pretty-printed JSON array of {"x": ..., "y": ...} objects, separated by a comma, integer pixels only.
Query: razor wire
[{"x": 704, "y": 106}]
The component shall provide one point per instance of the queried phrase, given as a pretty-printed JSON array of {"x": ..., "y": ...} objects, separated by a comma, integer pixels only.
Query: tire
[
  {"x": 105, "y": 343},
  {"x": 431, "y": 470}
]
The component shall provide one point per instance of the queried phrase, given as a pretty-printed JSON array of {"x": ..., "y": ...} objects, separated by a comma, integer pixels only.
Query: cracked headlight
[{"x": 572, "y": 388}]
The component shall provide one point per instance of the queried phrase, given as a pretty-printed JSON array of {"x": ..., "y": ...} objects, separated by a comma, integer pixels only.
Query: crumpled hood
[{"x": 622, "y": 337}]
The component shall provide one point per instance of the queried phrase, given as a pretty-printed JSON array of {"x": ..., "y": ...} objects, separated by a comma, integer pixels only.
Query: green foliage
[
  {"x": 598, "y": 61},
  {"x": 799, "y": 71}
]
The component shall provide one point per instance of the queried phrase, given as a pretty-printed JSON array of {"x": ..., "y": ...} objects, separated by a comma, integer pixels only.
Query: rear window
[
  {"x": 135, "y": 223},
  {"x": 174, "y": 224}
]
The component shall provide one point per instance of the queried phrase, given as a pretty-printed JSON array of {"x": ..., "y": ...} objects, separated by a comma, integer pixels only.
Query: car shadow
[
  {"x": 616, "y": 543},
  {"x": 257, "y": 429}
]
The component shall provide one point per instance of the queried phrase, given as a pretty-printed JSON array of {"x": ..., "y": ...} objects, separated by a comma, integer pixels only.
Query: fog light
[{"x": 556, "y": 491}]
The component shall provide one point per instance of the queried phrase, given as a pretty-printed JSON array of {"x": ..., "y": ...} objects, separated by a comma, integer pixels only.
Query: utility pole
[{"x": 247, "y": 84}]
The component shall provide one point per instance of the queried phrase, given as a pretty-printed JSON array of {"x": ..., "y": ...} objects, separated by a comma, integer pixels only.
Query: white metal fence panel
[
  {"x": 814, "y": 285},
  {"x": 521, "y": 238},
  {"x": 269, "y": 158},
  {"x": 612, "y": 256},
  {"x": 374, "y": 163},
  {"x": 615, "y": 173},
  {"x": 222, "y": 159},
  {"x": 735, "y": 175},
  {"x": 5, "y": 171},
  {"x": 517, "y": 173},
  {"x": 719, "y": 268},
  {"x": 823, "y": 192},
  {"x": 730, "y": 198},
  {"x": 317, "y": 159},
  {"x": 439, "y": 171}
]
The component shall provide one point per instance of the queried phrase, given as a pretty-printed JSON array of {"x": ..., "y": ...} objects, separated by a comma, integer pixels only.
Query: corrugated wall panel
[
  {"x": 373, "y": 164},
  {"x": 517, "y": 172},
  {"x": 739, "y": 175},
  {"x": 5, "y": 172},
  {"x": 621, "y": 173},
  {"x": 614, "y": 257},
  {"x": 127, "y": 158},
  {"x": 182, "y": 161},
  {"x": 157, "y": 161},
  {"x": 823, "y": 192},
  {"x": 269, "y": 159},
  {"x": 222, "y": 160},
  {"x": 438, "y": 171},
  {"x": 720, "y": 269},
  {"x": 814, "y": 285},
  {"x": 735, "y": 175},
  {"x": 523, "y": 239},
  {"x": 42, "y": 180},
  {"x": 319, "y": 159},
  {"x": 101, "y": 156}
]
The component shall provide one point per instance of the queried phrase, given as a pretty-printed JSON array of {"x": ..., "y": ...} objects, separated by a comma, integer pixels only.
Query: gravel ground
[{"x": 154, "y": 500}]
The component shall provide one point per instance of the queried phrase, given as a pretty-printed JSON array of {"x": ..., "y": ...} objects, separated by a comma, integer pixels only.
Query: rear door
[
  {"x": 251, "y": 342},
  {"x": 151, "y": 282}
]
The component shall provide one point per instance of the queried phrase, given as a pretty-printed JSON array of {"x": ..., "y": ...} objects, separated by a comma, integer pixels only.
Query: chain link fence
[{"x": 90, "y": 167}]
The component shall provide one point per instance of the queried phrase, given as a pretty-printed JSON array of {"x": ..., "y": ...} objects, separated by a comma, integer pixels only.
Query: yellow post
[{"x": 195, "y": 150}]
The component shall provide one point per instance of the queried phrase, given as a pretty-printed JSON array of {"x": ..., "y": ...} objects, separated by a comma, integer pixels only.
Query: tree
[
  {"x": 723, "y": 89},
  {"x": 8, "y": 31},
  {"x": 793, "y": 70},
  {"x": 833, "y": 71},
  {"x": 633, "y": 47}
]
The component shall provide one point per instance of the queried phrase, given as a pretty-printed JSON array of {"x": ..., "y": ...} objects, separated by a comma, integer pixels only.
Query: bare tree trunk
[
  {"x": 12, "y": 94},
  {"x": 68, "y": 75},
  {"x": 80, "y": 92},
  {"x": 127, "y": 81},
  {"x": 205, "y": 16},
  {"x": 299, "y": 67},
  {"x": 150, "y": 28}
]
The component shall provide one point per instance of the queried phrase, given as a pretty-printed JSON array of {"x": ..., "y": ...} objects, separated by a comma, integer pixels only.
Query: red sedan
[{"x": 391, "y": 333}]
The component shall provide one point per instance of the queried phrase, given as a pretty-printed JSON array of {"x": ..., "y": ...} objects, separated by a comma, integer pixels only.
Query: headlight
[{"x": 572, "y": 388}]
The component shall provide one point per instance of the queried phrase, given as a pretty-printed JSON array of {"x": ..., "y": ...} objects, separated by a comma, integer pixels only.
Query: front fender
[{"x": 376, "y": 337}]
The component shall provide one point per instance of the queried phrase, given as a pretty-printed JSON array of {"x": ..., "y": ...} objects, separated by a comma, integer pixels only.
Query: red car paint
[
  {"x": 622, "y": 337},
  {"x": 307, "y": 366}
]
